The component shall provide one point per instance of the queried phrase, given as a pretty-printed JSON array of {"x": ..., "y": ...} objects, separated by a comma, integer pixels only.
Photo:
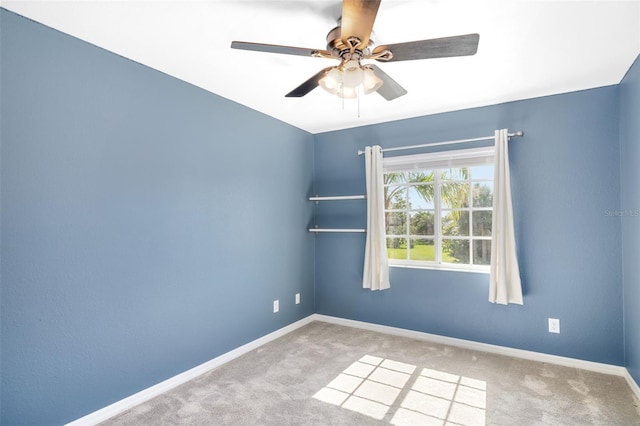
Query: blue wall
[
  {"x": 630, "y": 208},
  {"x": 147, "y": 225},
  {"x": 565, "y": 176}
]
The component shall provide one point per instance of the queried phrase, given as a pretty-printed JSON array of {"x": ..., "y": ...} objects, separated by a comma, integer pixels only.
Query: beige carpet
[{"x": 324, "y": 374}]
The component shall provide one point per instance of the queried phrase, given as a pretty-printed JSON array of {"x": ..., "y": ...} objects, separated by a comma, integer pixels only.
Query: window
[{"x": 438, "y": 209}]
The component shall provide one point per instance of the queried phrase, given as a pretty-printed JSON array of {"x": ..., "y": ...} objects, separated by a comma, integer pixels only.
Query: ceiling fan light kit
[
  {"x": 351, "y": 42},
  {"x": 349, "y": 79}
]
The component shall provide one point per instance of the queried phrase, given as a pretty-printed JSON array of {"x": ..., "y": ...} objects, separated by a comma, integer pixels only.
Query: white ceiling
[{"x": 527, "y": 49}]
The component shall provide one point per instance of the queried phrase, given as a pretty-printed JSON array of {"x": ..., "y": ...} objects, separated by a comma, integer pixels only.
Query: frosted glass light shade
[
  {"x": 370, "y": 81},
  {"x": 345, "y": 81},
  {"x": 347, "y": 92},
  {"x": 352, "y": 74},
  {"x": 331, "y": 81}
]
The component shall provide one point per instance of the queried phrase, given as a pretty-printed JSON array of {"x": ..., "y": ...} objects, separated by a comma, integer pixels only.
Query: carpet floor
[{"x": 325, "y": 374}]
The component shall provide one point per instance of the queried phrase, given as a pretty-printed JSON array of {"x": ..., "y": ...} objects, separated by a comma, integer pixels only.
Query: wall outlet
[
  {"x": 297, "y": 298},
  {"x": 554, "y": 325},
  {"x": 276, "y": 306}
]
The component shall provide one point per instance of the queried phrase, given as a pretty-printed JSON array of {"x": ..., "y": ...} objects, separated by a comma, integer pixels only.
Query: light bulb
[
  {"x": 331, "y": 81},
  {"x": 370, "y": 81}
]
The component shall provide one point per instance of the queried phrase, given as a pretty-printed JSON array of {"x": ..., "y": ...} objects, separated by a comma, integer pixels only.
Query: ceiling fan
[{"x": 350, "y": 43}]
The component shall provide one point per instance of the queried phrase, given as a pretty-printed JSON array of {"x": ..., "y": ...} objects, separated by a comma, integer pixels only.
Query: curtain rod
[{"x": 485, "y": 138}]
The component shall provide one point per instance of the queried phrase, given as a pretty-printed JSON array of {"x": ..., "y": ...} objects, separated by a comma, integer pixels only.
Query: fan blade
[
  {"x": 357, "y": 20},
  {"x": 389, "y": 89},
  {"x": 308, "y": 85},
  {"x": 463, "y": 45},
  {"x": 274, "y": 48}
]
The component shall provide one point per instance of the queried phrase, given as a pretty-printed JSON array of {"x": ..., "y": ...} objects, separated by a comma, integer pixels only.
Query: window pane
[
  {"x": 482, "y": 252},
  {"x": 421, "y": 197},
  {"x": 455, "y": 223},
  {"x": 394, "y": 178},
  {"x": 455, "y": 251},
  {"x": 458, "y": 173},
  {"x": 483, "y": 194},
  {"x": 482, "y": 172},
  {"x": 396, "y": 248},
  {"x": 396, "y": 223},
  {"x": 395, "y": 197},
  {"x": 421, "y": 223},
  {"x": 482, "y": 223},
  {"x": 455, "y": 195},
  {"x": 464, "y": 198},
  {"x": 420, "y": 176},
  {"x": 422, "y": 249}
]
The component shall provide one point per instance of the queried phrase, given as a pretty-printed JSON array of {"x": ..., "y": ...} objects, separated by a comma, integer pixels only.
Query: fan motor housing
[{"x": 336, "y": 44}]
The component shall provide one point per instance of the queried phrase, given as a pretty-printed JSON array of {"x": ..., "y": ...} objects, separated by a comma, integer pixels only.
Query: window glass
[
  {"x": 459, "y": 173},
  {"x": 421, "y": 197},
  {"x": 421, "y": 176},
  {"x": 440, "y": 216},
  {"x": 455, "y": 223},
  {"x": 482, "y": 195},
  {"x": 484, "y": 172},
  {"x": 482, "y": 223},
  {"x": 422, "y": 223},
  {"x": 454, "y": 195},
  {"x": 396, "y": 223},
  {"x": 482, "y": 252},
  {"x": 396, "y": 248},
  {"x": 456, "y": 251},
  {"x": 422, "y": 249}
]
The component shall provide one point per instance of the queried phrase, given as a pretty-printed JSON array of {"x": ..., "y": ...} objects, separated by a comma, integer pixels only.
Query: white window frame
[{"x": 438, "y": 161}]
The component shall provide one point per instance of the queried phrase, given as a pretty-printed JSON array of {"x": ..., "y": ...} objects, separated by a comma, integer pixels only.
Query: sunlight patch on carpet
[{"x": 371, "y": 386}]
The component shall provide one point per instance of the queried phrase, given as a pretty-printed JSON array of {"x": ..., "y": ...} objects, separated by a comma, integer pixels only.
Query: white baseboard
[
  {"x": 477, "y": 346},
  {"x": 632, "y": 384},
  {"x": 155, "y": 390}
]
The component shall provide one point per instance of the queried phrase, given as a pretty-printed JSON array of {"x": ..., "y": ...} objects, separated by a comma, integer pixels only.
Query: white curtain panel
[
  {"x": 504, "y": 282},
  {"x": 376, "y": 265}
]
